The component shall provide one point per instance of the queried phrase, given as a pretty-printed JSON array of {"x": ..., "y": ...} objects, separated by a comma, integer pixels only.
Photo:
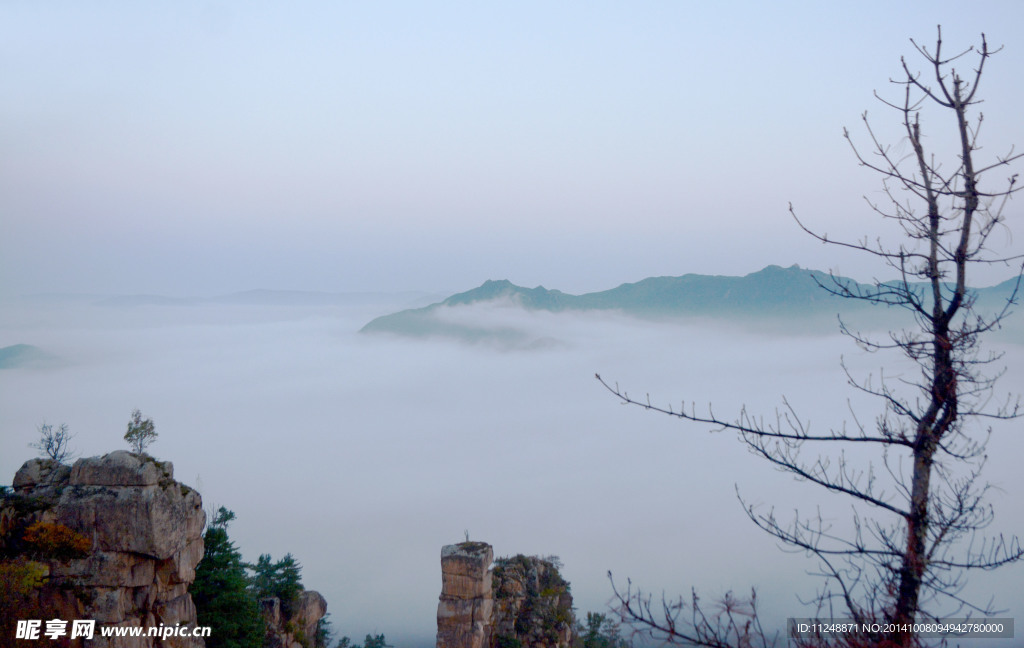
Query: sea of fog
[{"x": 362, "y": 455}]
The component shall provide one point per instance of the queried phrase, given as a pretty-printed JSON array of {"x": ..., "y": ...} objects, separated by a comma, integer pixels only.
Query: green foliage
[
  {"x": 371, "y": 641},
  {"x": 323, "y": 632},
  {"x": 472, "y": 546},
  {"x": 141, "y": 432},
  {"x": 544, "y": 605},
  {"x": 510, "y": 563},
  {"x": 601, "y": 631},
  {"x": 24, "y": 505},
  {"x": 505, "y": 641},
  {"x": 221, "y": 591},
  {"x": 222, "y": 518},
  {"x": 227, "y": 592},
  {"x": 281, "y": 579},
  {"x": 375, "y": 641}
]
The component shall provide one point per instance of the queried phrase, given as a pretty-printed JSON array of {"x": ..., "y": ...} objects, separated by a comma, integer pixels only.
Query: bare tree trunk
[{"x": 889, "y": 573}]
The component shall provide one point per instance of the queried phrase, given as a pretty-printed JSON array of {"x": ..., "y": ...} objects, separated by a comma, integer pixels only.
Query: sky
[{"x": 201, "y": 148}]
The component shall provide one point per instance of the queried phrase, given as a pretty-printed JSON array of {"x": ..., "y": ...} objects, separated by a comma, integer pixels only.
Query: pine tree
[
  {"x": 221, "y": 594},
  {"x": 281, "y": 579}
]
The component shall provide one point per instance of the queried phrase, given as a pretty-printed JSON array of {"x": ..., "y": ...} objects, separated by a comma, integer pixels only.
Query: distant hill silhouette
[
  {"x": 21, "y": 355},
  {"x": 774, "y": 293}
]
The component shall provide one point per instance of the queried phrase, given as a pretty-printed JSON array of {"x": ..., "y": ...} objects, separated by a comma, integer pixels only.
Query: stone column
[{"x": 464, "y": 612}]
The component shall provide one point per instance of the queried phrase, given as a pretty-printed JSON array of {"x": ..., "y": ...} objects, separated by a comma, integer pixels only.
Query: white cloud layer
[{"x": 363, "y": 455}]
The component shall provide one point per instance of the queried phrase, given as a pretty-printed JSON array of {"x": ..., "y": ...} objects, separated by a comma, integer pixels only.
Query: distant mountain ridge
[{"x": 773, "y": 292}]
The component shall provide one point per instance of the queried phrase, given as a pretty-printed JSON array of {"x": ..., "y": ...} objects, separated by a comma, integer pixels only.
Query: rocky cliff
[
  {"x": 297, "y": 629},
  {"x": 522, "y": 602},
  {"x": 464, "y": 614},
  {"x": 122, "y": 540},
  {"x": 532, "y": 604}
]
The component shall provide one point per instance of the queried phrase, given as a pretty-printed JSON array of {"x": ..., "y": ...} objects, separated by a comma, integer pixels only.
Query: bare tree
[
  {"x": 54, "y": 443},
  {"x": 917, "y": 522},
  {"x": 732, "y": 623}
]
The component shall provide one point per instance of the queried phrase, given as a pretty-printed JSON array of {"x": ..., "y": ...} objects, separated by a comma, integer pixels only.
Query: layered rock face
[
  {"x": 522, "y": 603},
  {"x": 283, "y": 629},
  {"x": 465, "y": 610},
  {"x": 145, "y": 535},
  {"x": 532, "y": 604}
]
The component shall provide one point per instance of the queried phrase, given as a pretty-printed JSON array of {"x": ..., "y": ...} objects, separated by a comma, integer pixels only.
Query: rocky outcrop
[
  {"x": 143, "y": 536},
  {"x": 291, "y": 631},
  {"x": 532, "y": 604},
  {"x": 523, "y": 602},
  {"x": 465, "y": 609}
]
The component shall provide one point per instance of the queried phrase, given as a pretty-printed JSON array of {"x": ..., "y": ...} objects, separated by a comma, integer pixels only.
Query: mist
[{"x": 363, "y": 454}]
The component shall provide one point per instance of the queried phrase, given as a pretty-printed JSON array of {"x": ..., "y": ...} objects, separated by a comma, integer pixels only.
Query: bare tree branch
[{"x": 918, "y": 524}]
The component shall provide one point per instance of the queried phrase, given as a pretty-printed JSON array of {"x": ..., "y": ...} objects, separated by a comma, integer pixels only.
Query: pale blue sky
[{"x": 206, "y": 147}]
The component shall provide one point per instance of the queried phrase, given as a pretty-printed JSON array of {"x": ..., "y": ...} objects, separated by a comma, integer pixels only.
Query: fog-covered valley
[{"x": 363, "y": 454}]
